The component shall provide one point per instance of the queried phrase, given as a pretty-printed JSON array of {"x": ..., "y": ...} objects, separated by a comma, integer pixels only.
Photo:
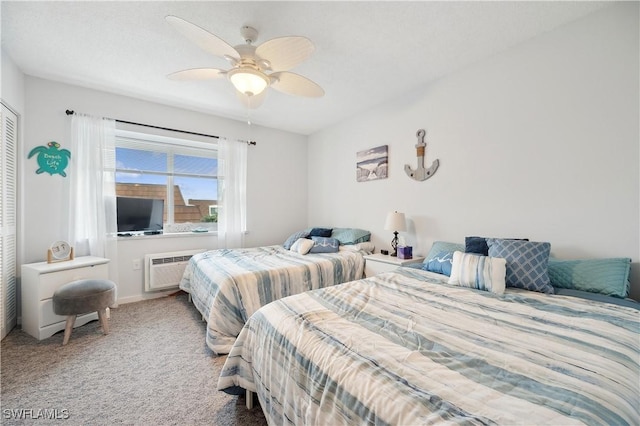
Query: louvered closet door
[{"x": 8, "y": 176}]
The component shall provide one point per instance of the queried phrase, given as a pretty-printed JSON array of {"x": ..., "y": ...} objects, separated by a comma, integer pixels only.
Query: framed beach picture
[{"x": 372, "y": 164}]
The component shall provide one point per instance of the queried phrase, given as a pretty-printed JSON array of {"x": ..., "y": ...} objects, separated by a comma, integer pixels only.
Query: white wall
[
  {"x": 12, "y": 88},
  {"x": 13, "y": 96},
  {"x": 541, "y": 141},
  {"x": 277, "y": 161}
]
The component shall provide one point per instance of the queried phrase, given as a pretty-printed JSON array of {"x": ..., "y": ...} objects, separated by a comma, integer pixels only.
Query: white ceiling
[{"x": 366, "y": 52}]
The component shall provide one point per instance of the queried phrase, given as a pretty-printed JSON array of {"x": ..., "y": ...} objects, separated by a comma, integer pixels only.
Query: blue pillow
[
  {"x": 440, "y": 263},
  {"x": 294, "y": 237},
  {"x": 605, "y": 276},
  {"x": 478, "y": 245},
  {"x": 324, "y": 245},
  {"x": 527, "y": 263},
  {"x": 320, "y": 232},
  {"x": 440, "y": 246}
]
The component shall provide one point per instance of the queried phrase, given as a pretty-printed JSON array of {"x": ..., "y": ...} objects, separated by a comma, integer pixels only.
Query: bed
[
  {"x": 407, "y": 347},
  {"x": 228, "y": 285}
]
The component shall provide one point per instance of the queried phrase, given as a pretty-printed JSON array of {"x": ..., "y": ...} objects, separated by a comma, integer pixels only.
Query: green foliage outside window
[{"x": 211, "y": 218}]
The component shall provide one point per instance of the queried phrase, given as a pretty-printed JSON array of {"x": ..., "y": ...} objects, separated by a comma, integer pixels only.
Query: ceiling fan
[{"x": 253, "y": 68}]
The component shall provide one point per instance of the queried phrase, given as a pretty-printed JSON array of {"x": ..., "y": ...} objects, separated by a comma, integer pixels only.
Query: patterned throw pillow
[
  {"x": 479, "y": 272},
  {"x": 440, "y": 264},
  {"x": 478, "y": 245},
  {"x": 527, "y": 263},
  {"x": 324, "y": 245}
]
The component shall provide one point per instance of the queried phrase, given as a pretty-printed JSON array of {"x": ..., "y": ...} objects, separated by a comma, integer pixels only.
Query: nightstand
[
  {"x": 39, "y": 282},
  {"x": 378, "y": 263}
]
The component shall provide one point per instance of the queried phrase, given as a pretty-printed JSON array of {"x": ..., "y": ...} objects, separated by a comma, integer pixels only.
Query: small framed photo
[{"x": 372, "y": 164}]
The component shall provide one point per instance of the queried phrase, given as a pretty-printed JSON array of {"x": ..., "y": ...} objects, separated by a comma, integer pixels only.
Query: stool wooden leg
[
  {"x": 102, "y": 316},
  {"x": 71, "y": 320}
]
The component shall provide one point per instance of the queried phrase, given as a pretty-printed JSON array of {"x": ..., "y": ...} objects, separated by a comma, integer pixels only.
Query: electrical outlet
[{"x": 137, "y": 264}]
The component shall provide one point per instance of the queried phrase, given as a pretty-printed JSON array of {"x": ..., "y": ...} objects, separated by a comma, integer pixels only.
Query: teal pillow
[
  {"x": 604, "y": 276},
  {"x": 527, "y": 263},
  {"x": 348, "y": 236},
  {"x": 440, "y": 246}
]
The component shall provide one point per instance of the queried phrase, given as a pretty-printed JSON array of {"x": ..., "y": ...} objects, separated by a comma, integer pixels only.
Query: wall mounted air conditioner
[{"x": 163, "y": 271}]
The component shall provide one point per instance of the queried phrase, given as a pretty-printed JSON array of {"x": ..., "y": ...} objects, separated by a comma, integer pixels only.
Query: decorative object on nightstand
[
  {"x": 396, "y": 223},
  {"x": 59, "y": 252},
  {"x": 405, "y": 252}
]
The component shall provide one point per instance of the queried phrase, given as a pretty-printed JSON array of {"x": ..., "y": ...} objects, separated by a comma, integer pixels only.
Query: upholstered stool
[{"x": 83, "y": 296}]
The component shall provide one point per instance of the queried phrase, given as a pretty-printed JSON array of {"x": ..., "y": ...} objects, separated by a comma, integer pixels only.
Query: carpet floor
[{"x": 154, "y": 367}]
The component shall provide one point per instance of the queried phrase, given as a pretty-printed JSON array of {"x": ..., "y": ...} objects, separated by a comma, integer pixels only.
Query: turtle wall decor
[{"x": 51, "y": 159}]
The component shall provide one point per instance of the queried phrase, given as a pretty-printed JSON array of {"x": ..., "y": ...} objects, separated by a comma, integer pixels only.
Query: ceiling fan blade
[
  {"x": 252, "y": 102},
  {"x": 285, "y": 53},
  {"x": 294, "y": 84},
  {"x": 203, "y": 38},
  {"x": 197, "y": 74}
]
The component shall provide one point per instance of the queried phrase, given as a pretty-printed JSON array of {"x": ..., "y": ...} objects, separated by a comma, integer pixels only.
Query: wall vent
[{"x": 163, "y": 271}]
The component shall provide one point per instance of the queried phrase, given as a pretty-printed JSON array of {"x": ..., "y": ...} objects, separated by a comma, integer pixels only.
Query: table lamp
[{"x": 395, "y": 222}]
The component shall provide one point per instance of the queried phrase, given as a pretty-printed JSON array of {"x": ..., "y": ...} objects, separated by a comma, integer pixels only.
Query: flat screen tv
[{"x": 139, "y": 214}]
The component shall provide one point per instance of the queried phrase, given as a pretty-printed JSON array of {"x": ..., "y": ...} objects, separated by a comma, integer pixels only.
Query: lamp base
[{"x": 394, "y": 244}]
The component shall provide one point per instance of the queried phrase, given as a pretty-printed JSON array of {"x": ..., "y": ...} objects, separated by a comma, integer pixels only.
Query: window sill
[{"x": 169, "y": 235}]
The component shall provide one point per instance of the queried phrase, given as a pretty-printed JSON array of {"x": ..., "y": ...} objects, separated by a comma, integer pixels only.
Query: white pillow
[
  {"x": 479, "y": 272},
  {"x": 302, "y": 245},
  {"x": 368, "y": 247}
]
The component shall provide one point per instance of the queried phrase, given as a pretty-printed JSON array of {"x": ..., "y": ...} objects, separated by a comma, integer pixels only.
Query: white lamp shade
[
  {"x": 247, "y": 81},
  {"x": 395, "y": 222}
]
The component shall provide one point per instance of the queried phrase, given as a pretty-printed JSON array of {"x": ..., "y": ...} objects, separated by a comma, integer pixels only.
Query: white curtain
[
  {"x": 92, "y": 197},
  {"x": 232, "y": 196}
]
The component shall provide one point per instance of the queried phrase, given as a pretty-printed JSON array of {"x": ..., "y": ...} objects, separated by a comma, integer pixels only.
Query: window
[{"x": 183, "y": 173}]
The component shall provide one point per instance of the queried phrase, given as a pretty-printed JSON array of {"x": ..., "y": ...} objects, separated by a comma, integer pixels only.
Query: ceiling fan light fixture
[
  {"x": 249, "y": 63},
  {"x": 248, "y": 81}
]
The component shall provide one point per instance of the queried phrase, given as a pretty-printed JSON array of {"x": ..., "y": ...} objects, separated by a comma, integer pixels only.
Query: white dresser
[{"x": 39, "y": 282}]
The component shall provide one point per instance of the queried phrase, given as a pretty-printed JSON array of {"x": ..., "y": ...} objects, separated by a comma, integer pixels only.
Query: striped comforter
[
  {"x": 403, "y": 348},
  {"x": 228, "y": 286}
]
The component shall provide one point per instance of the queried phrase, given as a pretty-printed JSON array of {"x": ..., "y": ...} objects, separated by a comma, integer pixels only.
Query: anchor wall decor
[{"x": 421, "y": 173}]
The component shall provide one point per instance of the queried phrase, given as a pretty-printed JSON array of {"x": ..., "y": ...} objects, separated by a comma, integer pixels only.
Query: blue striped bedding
[
  {"x": 228, "y": 285},
  {"x": 404, "y": 348}
]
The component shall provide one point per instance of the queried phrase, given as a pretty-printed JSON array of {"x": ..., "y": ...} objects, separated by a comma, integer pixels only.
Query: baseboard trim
[{"x": 142, "y": 297}]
